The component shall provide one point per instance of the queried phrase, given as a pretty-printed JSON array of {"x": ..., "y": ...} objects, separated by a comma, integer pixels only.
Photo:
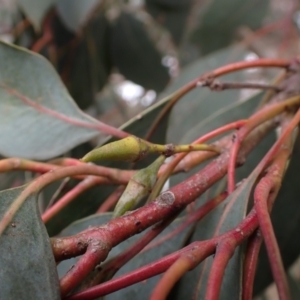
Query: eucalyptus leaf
[
  {"x": 89, "y": 63},
  {"x": 38, "y": 118},
  {"x": 27, "y": 266},
  {"x": 74, "y": 13},
  {"x": 295, "y": 287},
  {"x": 36, "y": 10},
  {"x": 134, "y": 52},
  {"x": 172, "y": 14},
  {"x": 218, "y": 25}
]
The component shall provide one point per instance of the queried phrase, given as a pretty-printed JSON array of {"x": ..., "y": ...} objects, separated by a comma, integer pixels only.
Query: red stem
[
  {"x": 261, "y": 195},
  {"x": 246, "y": 228},
  {"x": 112, "y": 266},
  {"x": 124, "y": 257},
  {"x": 194, "y": 217},
  {"x": 233, "y": 67},
  {"x": 87, "y": 262},
  {"x": 111, "y": 200},
  {"x": 183, "y": 264},
  {"x": 172, "y": 275},
  {"x": 178, "y": 197},
  {"x": 224, "y": 252},
  {"x": 264, "y": 196},
  {"x": 261, "y": 116},
  {"x": 84, "y": 185},
  {"x": 250, "y": 264},
  {"x": 47, "y": 36}
]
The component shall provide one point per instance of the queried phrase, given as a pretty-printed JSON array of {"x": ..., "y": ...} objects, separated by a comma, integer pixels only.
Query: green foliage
[
  {"x": 28, "y": 269},
  {"x": 33, "y": 99},
  {"x": 218, "y": 26}
]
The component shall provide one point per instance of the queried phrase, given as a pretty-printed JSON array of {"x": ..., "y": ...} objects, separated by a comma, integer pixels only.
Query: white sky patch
[
  {"x": 135, "y": 94},
  {"x": 172, "y": 63},
  {"x": 251, "y": 56}
]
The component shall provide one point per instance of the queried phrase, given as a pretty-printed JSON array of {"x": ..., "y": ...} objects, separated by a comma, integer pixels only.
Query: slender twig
[
  {"x": 166, "y": 204},
  {"x": 203, "y": 248},
  {"x": 268, "y": 187},
  {"x": 58, "y": 191},
  {"x": 224, "y": 252},
  {"x": 261, "y": 116},
  {"x": 196, "y": 216},
  {"x": 111, "y": 199},
  {"x": 14, "y": 163},
  {"x": 84, "y": 185},
  {"x": 276, "y": 63},
  {"x": 33, "y": 188},
  {"x": 167, "y": 169},
  {"x": 261, "y": 195},
  {"x": 216, "y": 85},
  {"x": 182, "y": 265},
  {"x": 112, "y": 266},
  {"x": 250, "y": 264}
]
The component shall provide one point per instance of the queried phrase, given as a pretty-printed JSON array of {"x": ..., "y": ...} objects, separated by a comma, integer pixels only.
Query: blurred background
[
  {"x": 119, "y": 57},
  {"x": 116, "y": 57}
]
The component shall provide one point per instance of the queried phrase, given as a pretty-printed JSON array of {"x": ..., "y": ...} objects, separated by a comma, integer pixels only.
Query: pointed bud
[
  {"x": 129, "y": 149},
  {"x": 139, "y": 186}
]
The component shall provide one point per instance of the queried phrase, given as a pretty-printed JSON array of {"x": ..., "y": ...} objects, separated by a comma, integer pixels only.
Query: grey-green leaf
[
  {"x": 134, "y": 52},
  {"x": 74, "y": 13},
  {"x": 38, "y": 118},
  {"x": 36, "y": 10},
  {"x": 218, "y": 25},
  {"x": 27, "y": 266}
]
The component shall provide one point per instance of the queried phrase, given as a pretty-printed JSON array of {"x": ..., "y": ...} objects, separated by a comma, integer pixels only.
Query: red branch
[
  {"x": 165, "y": 205},
  {"x": 250, "y": 264},
  {"x": 84, "y": 185},
  {"x": 199, "y": 250},
  {"x": 233, "y": 67},
  {"x": 224, "y": 252}
]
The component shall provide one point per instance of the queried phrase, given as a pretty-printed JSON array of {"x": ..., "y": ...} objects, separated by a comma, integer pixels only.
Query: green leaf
[
  {"x": 36, "y": 10},
  {"x": 27, "y": 266},
  {"x": 219, "y": 25},
  {"x": 89, "y": 63},
  {"x": 38, "y": 118},
  {"x": 294, "y": 286},
  {"x": 135, "y": 291},
  {"x": 74, "y": 13},
  {"x": 134, "y": 52},
  {"x": 171, "y": 14}
]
